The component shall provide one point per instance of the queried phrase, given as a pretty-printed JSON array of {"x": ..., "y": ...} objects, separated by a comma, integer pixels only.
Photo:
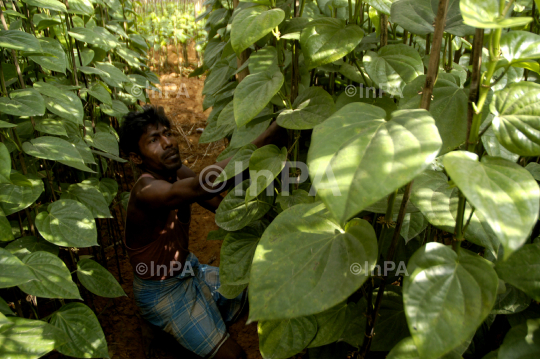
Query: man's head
[{"x": 147, "y": 139}]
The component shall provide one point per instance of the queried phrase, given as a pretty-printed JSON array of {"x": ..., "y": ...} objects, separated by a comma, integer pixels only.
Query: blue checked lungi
[{"x": 189, "y": 307}]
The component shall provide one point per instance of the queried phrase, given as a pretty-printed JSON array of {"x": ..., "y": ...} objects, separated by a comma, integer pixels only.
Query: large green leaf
[
  {"x": 448, "y": 108},
  {"x": 383, "y": 6},
  {"x": 503, "y": 192},
  {"x": 253, "y": 23},
  {"x": 330, "y": 325},
  {"x": 265, "y": 164},
  {"x": 298, "y": 196},
  {"x": 65, "y": 104},
  {"x": 237, "y": 253},
  {"x": 15, "y": 197},
  {"x": 81, "y": 7},
  {"x": 446, "y": 296},
  {"x": 27, "y": 102},
  {"x": 52, "y": 47},
  {"x": 6, "y": 234},
  {"x": 5, "y": 164},
  {"x": 118, "y": 110},
  {"x": 310, "y": 108},
  {"x": 356, "y": 157},
  {"x": 327, "y": 40},
  {"x": 300, "y": 256},
  {"x": 234, "y": 213},
  {"x": 406, "y": 349},
  {"x": 266, "y": 59},
  {"x": 517, "y": 46},
  {"x": 517, "y": 118},
  {"x": 22, "y": 338},
  {"x": 19, "y": 40},
  {"x": 391, "y": 320},
  {"x": 522, "y": 270},
  {"x": 246, "y": 134},
  {"x": 14, "y": 272},
  {"x": 29, "y": 244},
  {"x": 53, "y": 277},
  {"x": 534, "y": 169},
  {"x": 418, "y": 16},
  {"x": 494, "y": 148},
  {"x": 113, "y": 77},
  {"x": 98, "y": 36},
  {"x": 100, "y": 92},
  {"x": 237, "y": 164},
  {"x": 393, "y": 67},
  {"x": 254, "y": 93},
  {"x": 90, "y": 196},
  {"x": 56, "y": 149},
  {"x": 484, "y": 14},
  {"x": 98, "y": 280},
  {"x": 67, "y": 223},
  {"x": 81, "y": 326},
  {"x": 212, "y": 52},
  {"x": 281, "y": 339},
  {"x": 47, "y": 4},
  {"x": 220, "y": 74},
  {"x": 522, "y": 341}
]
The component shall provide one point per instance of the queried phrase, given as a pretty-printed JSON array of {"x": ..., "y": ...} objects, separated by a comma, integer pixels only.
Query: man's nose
[{"x": 166, "y": 142}]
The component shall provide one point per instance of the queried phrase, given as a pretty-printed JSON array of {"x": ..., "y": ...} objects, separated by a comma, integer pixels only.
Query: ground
[{"x": 126, "y": 333}]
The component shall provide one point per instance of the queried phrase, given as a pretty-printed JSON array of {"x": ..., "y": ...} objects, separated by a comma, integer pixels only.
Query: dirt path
[{"x": 126, "y": 333}]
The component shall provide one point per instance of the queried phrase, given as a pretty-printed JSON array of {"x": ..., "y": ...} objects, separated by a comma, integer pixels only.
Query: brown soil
[{"x": 127, "y": 334}]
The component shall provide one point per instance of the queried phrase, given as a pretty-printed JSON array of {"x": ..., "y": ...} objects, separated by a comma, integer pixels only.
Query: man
[{"x": 172, "y": 290}]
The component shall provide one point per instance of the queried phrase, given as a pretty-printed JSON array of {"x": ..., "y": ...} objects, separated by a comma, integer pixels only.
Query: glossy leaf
[
  {"x": 406, "y": 349},
  {"x": 98, "y": 280},
  {"x": 253, "y": 23},
  {"x": 517, "y": 46},
  {"x": 446, "y": 297},
  {"x": 90, "y": 196},
  {"x": 19, "y": 40},
  {"x": 248, "y": 133},
  {"x": 56, "y": 149},
  {"x": 330, "y": 325},
  {"x": 113, "y": 76},
  {"x": 6, "y": 234},
  {"x": 300, "y": 256},
  {"x": 53, "y": 277},
  {"x": 234, "y": 213},
  {"x": 67, "y": 223},
  {"x": 98, "y": 36},
  {"x": 534, "y": 169},
  {"x": 522, "y": 270},
  {"x": 263, "y": 60},
  {"x": 391, "y": 320},
  {"x": 265, "y": 164},
  {"x": 29, "y": 244},
  {"x": 494, "y": 148},
  {"x": 485, "y": 15},
  {"x": 522, "y": 341},
  {"x": 393, "y": 67},
  {"x": 14, "y": 272},
  {"x": 310, "y": 108},
  {"x": 517, "y": 118},
  {"x": 280, "y": 339},
  {"x": 503, "y": 192},
  {"x": 19, "y": 195},
  {"x": 99, "y": 91},
  {"x": 357, "y": 154},
  {"x": 237, "y": 164},
  {"x": 5, "y": 164},
  {"x": 81, "y": 326},
  {"x": 52, "y": 47},
  {"x": 299, "y": 196},
  {"x": 27, "y": 102},
  {"x": 48, "y": 4},
  {"x": 326, "y": 40}
]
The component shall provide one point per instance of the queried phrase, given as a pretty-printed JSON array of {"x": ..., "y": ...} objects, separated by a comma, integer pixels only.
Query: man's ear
[{"x": 135, "y": 158}]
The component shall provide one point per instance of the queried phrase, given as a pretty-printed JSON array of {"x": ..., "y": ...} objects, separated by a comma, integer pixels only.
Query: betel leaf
[
  {"x": 53, "y": 277},
  {"x": 382, "y": 6},
  {"x": 98, "y": 280},
  {"x": 6, "y": 234},
  {"x": 330, "y": 325},
  {"x": 512, "y": 301},
  {"x": 503, "y": 192},
  {"x": 310, "y": 108},
  {"x": 56, "y": 149},
  {"x": 98, "y": 36},
  {"x": 51, "y": 126},
  {"x": 356, "y": 157},
  {"x": 253, "y": 23},
  {"x": 446, "y": 296},
  {"x": 29, "y": 244},
  {"x": 298, "y": 259},
  {"x": 522, "y": 270},
  {"x": 326, "y": 40},
  {"x": 418, "y": 17},
  {"x": 52, "y": 47},
  {"x": 220, "y": 74},
  {"x": 522, "y": 341},
  {"x": 14, "y": 272},
  {"x": 113, "y": 76},
  {"x": 106, "y": 141},
  {"x": 448, "y": 108},
  {"x": 438, "y": 201},
  {"x": 517, "y": 46},
  {"x": 63, "y": 103},
  {"x": 19, "y": 40},
  {"x": 5, "y": 164},
  {"x": 90, "y": 196},
  {"x": 517, "y": 118},
  {"x": 254, "y": 93},
  {"x": 406, "y": 349},
  {"x": 265, "y": 164},
  {"x": 298, "y": 196},
  {"x": 263, "y": 60},
  {"x": 237, "y": 253},
  {"x": 18, "y": 195},
  {"x": 27, "y": 102},
  {"x": 237, "y": 164},
  {"x": 234, "y": 213},
  {"x": 494, "y": 148},
  {"x": 248, "y": 133},
  {"x": 100, "y": 92},
  {"x": 485, "y": 15},
  {"x": 534, "y": 169},
  {"x": 81, "y": 7},
  {"x": 285, "y": 338},
  {"x": 81, "y": 326},
  {"x": 48, "y": 4},
  {"x": 5, "y": 308},
  {"x": 391, "y": 320},
  {"x": 413, "y": 225},
  {"x": 393, "y": 67},
  {"x": 212, "y": 52},
  {"x": 67, "y": 223},
  {"x": 27, "y": 339}
]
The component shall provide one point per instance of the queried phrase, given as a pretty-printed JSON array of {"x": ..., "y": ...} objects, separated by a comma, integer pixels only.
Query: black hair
[{"x": 135, "y": 125}]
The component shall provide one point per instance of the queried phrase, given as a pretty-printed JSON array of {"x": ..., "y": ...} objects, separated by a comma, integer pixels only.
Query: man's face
[{"x": 159, "y": 149}]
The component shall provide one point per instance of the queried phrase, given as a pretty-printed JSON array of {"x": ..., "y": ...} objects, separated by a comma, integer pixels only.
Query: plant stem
[
  {"x": 476, "y": 62},
  {"x": 384, "y": 30}
]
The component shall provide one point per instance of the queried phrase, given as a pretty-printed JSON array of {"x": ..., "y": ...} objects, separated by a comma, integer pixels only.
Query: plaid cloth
[{"x": 189, "y": 307}]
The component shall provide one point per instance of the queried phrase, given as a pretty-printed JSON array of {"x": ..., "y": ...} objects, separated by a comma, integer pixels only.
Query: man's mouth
[{"x": 171, "y": 156}]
